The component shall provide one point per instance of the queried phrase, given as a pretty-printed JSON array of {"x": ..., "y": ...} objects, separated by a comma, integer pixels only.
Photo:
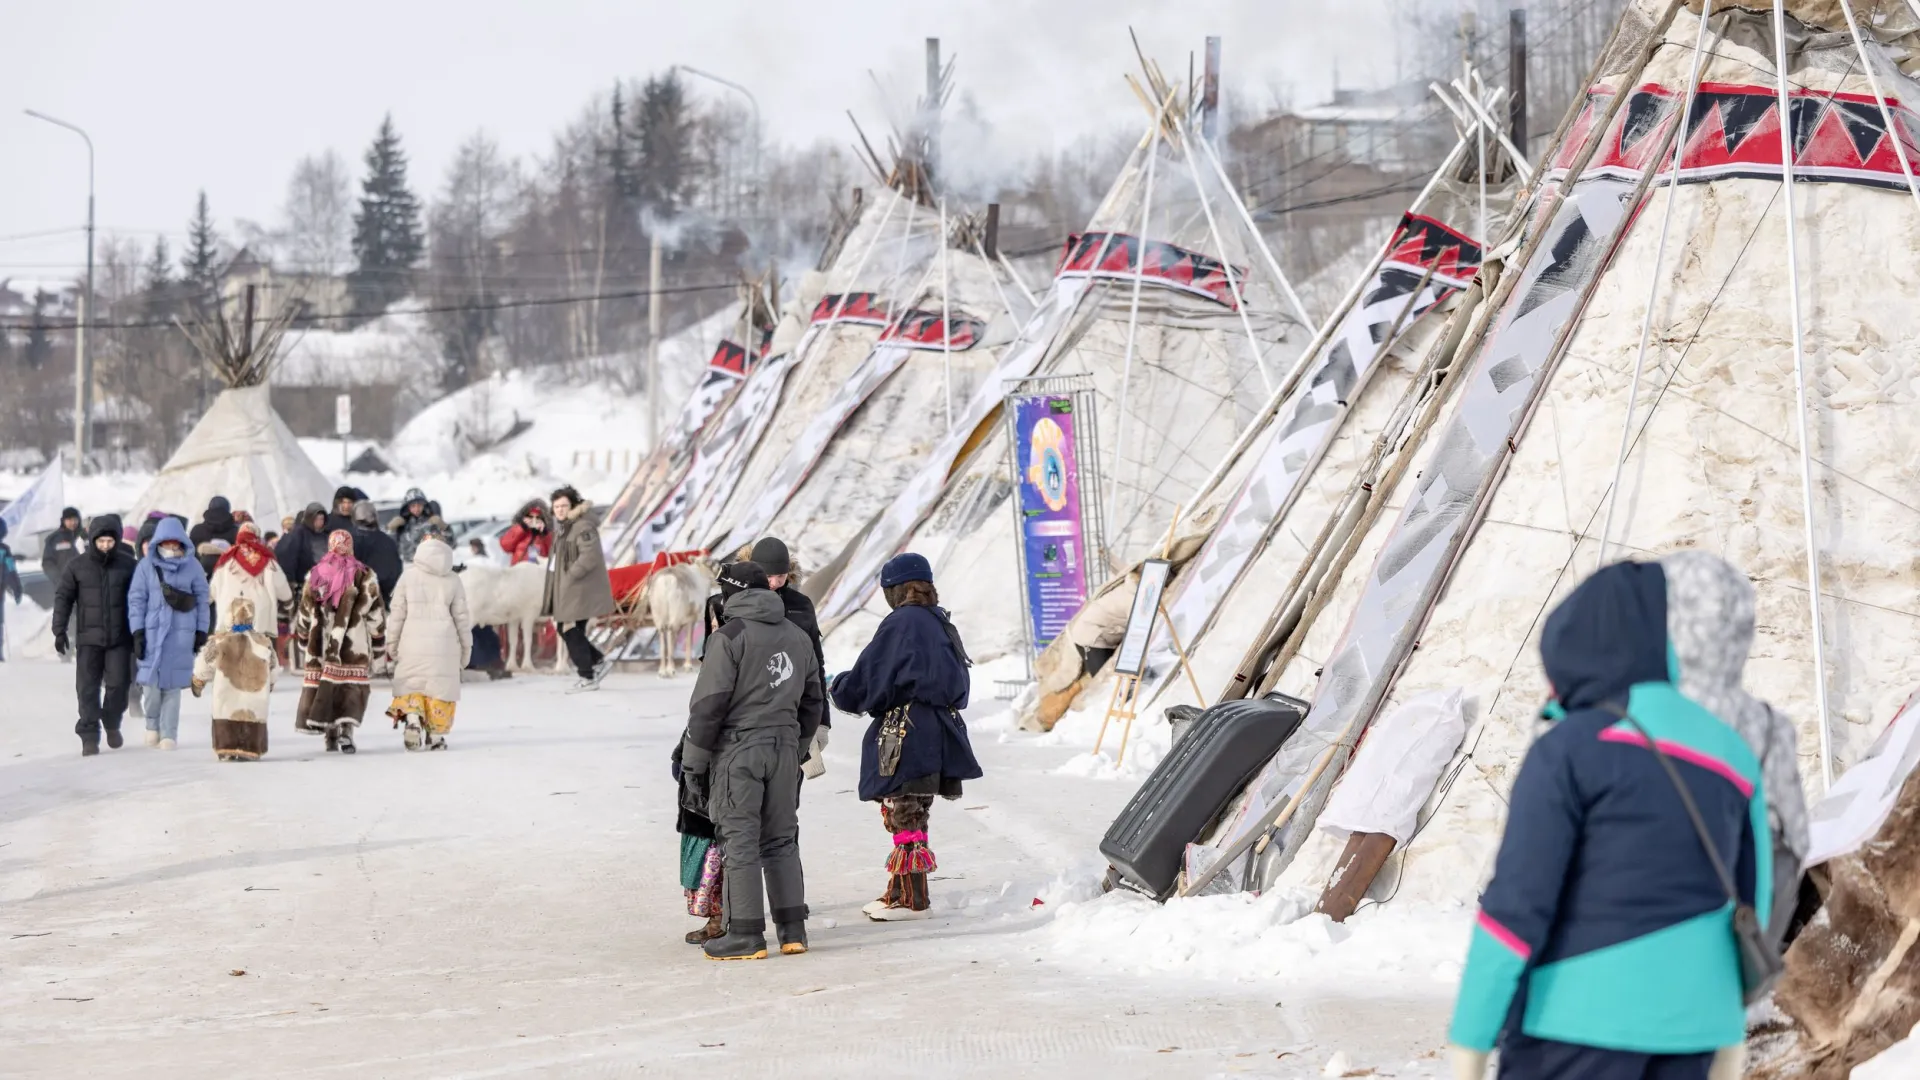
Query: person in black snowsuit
[
  {"x": 93, "y": 591},
  {"x": 304, "y": 545},
  {"x": 341, "y": 516},
  {"x": 912, "y": 679},
  {"x": 754, "y": 706},
  {"x": 62, "y": 544},
  {"x": 375, "y": 548},
  {"x": 770, "y": 554},
  {"x": 216, "y": 532},
  {"x": 9, "y": 582}
]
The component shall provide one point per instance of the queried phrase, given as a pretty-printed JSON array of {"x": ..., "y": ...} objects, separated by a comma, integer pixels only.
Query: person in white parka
[
  {"x": 248, "y": 569},
  {"x": 431, "y": 636}
]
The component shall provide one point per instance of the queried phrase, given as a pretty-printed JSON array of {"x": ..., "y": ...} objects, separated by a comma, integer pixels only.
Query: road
[{"x": 512, "y": 908}]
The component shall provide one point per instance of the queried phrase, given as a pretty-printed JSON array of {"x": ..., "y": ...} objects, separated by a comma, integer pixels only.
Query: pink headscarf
[{"x": 333, "y": 578}]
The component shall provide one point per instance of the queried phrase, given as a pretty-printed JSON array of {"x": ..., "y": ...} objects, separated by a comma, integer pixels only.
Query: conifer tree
[
  {"x": 39, "y": 340},
  {"x": 387, "y": 235},
  {"x": 200, "y": 266},
  {"x": 663, "y": 129}
]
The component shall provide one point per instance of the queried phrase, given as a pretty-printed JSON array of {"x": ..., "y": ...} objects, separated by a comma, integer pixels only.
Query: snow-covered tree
[{"x": 317, "y": 217}]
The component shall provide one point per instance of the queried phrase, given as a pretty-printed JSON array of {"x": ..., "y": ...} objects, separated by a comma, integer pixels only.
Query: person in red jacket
[{"x": 529, "y": 536}]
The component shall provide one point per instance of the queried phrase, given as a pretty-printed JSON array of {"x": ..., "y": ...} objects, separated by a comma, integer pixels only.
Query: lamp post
[
  {"x": 82, "y": 369},
  {"x": 752, "y": 103}
]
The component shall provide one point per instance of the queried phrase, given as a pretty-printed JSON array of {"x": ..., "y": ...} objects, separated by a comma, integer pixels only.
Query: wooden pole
[
  {"x": 653, "y": 338},
  {"x": 1517, "y": 79}
]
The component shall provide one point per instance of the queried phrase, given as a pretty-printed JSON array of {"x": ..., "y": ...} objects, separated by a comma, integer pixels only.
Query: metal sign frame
[{"x": 1087, "y": 455}]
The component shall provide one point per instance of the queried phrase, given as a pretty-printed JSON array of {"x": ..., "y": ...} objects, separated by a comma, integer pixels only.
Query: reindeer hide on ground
[{"x": 1852, "y": 985}]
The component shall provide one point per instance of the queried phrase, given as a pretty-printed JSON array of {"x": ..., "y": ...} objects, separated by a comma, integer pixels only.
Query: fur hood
[{"x": 581, "y": 512}]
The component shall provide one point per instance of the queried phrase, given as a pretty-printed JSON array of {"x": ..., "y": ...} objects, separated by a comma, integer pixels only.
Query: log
[{"x": 1360, "y": 863}]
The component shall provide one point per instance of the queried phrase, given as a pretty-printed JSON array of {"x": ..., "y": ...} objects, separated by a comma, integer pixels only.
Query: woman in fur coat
[
  {"x": 248, "y": 569},
  {"x": 912, "y": 679},
  {"x": 238, "y": 664},
  {"x": 432, "y": 635},
  {"x": 341, "y": 624}
]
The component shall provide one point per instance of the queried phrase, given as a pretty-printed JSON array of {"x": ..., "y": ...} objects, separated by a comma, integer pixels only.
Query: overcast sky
[{"x": 226, "y": 96}]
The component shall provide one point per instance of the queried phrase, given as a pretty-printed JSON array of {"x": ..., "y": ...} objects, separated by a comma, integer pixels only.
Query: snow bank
[
  {"x": 1901, "y": 1061},
  {"x": 94, "y": 493},
  {"x": 1244, "y": 937},
  {"x": 397, "y": 348},
  {"x": 484, "y": 450}
]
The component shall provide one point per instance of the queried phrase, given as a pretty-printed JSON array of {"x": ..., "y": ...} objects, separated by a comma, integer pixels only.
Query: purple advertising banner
[{"x": 1050, "y": 523}]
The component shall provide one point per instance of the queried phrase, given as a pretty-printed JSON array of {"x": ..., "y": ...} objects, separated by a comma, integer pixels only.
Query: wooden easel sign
[{"x": 1132, "y": 656}]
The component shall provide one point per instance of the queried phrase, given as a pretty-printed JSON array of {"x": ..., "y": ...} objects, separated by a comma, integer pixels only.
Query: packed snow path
[{"x": 512, "y": 908}]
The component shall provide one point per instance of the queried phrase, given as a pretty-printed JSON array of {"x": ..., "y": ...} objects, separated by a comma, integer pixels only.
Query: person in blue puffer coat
[
  {"x": 1604, "y": 947},
  {"x": 168, "y": 613},
  {"x": 912, "y": 679}
]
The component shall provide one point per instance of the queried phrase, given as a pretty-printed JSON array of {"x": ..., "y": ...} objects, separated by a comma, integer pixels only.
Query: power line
[{"x": 310, "y": 320}]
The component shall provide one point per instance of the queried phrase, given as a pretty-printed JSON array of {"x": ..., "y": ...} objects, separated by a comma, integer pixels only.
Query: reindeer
[
  {"x": 675, "y": 598},
  {"x": 511, "y": 597}
]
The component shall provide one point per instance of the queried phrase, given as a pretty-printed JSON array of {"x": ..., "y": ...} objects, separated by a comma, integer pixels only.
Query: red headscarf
[{"x": 247, "y": 552}]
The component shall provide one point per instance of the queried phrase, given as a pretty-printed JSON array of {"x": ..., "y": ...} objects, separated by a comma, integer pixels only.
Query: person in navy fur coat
[{"x": 912, "y": 679}]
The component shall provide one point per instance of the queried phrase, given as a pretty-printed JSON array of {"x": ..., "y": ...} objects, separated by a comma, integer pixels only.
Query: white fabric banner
[
  {"x": 1306, "y": 424},
  {"x": 1859, "y": 802},
  {"x": 37, "y": 510},
  {"x": 702, "y": 495},
  {"x": 1408, "y": 573}
]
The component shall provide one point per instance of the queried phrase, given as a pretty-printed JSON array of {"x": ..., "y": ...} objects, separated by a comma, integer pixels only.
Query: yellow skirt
[{"x": 437, "y": 714}]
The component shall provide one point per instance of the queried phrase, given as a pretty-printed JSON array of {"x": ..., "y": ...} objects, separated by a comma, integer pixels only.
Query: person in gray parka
[{"x": 756, "y": 703}]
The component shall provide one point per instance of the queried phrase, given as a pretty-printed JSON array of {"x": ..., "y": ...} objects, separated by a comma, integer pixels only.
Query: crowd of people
[{"x": 220, "y": 606}]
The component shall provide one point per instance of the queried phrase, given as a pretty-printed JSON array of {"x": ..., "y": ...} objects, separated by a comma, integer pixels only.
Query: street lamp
[
  {"x": 82, "y": 370},
  {"x": 752, "y": 103}
]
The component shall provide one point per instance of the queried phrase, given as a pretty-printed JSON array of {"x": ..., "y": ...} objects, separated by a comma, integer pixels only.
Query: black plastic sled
[{"x": 1205, "y": 770}]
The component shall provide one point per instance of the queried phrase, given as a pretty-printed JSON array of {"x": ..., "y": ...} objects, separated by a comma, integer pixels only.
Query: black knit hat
[
  {"x": 736, "y": 577},
  {"x": 771, "y": 555}
]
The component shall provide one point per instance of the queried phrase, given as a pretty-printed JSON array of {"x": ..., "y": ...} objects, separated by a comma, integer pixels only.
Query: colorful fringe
[
  {"x": 911, "y": 855},
  {"x": 705, "y": 900},
  {"x": 436, "y": 714}
]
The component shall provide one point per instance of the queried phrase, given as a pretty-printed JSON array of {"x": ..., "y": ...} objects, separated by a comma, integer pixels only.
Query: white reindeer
[
  {"x": 675, "y": 598},
  {"x": 508, "y": 596}
]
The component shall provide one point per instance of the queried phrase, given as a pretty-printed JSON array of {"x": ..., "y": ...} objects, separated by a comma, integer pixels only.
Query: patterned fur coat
[{"x": 339, "y": 645}]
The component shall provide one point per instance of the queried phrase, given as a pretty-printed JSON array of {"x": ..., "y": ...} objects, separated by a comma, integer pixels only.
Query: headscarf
[
  {"x": 247, "y": 551},
  {"x": 332, "y": 580},
  {"x": 1710, "y": 623}
]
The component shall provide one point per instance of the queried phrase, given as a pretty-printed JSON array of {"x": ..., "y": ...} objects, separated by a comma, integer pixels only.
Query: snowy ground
[{"x": 511, "y": 908}]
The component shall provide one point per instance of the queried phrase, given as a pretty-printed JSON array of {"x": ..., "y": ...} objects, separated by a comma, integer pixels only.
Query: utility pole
[
  {"x": 1210, "y": 92},
  {"x": 82, "y": 364},
  {"x": 1517, "y": 78},
  {"x": 653, "y": 337}
]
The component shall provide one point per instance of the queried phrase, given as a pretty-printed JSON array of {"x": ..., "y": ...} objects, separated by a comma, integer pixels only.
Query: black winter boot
[
  {"x": 89, "y": 747},
  {"x": 793, "y": 938},
  {"x": 738, "y": 945},
  {"x": 114, "y": 741}
]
